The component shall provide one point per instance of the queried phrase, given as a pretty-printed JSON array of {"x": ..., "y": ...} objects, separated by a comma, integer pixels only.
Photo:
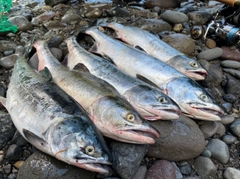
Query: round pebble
[
  {"x": 174, "y": 17},
  {"x": 231, "y": 173},
  {"x": 141, "y": 172},
  {"x": 210, "y": 54},
  {"x": 219, "y": 150},
  {"x": 206, "y": 153},
  {"x": 230, "y": 98},
  {"x": 205, "y": 167},
  {"x": 229, "y": 139},
  {"x": 235, "y": 127},
  {"x": 14, "y": 152}
]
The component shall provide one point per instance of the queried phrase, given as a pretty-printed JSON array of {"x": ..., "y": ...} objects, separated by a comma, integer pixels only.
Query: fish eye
[
  {"x": 130, "y": 117},
  {"x": 162, "y": 99},
  {"x": 194, "y": 64},
  {"x": 203, "y": 97},
  {"x": 89, "y": 150}
]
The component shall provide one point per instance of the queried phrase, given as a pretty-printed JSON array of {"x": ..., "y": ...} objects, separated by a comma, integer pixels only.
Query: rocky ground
[{"x": 187, "y": 148}]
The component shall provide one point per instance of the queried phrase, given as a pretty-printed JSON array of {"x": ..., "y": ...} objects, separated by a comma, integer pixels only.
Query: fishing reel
[{"x": 224, "y": 28}]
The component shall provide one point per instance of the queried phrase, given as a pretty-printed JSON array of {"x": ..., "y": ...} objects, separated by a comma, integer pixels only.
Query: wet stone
[
  {"x": 219, "y": 150},
  {"x": 40, "y": 165},
  {"x": 161, "y": 169},
  {"x": 9, "y": 61},
  {"x": 206, "y": 153},
  {"x": 71, "y": 15},
  {"x": 12, "y": 176},
  {"x": 54, "y": 2},
  {"x": 127, "y": 158},
  {"x": 200, "y": 17},
  {"x": 162, "y": 3},
  {"x": 231, "y": 173},
  {"x": 233, "y": 86},
  {"x": 227, "y": 107},
  {"x": 181, "y": 42},
  {"x": 19, "y": 140},
  {"x": 7, "y": 45},
  {"x": 7, "y": 168},
  {"x": 210, "y": 54},
  {"x": 7, "y": 128},
  {"x": 174, "y": 17},
  {"x": 230, "y": 53},
  {"x": 14, "y": 152},
  {"x": 180, "y": 139},
  {"x": 205, "y": 167},
  {"x": 230, "y": 64},
  {"x": 141, "y": 172},
  {"x": 230, "y": 98},
  {"x": 2, "y": 91},
  {"x": 235, "y": 127},
  {"x": 229, "y": 139},
  {"x": 21, "y": 22},
  {"x": 153, "y": 25},
  {"x": 209, "y": 128},
  {"x": 177, "y": 171}
]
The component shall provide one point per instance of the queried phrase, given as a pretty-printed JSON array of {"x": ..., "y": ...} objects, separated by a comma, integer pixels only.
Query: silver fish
[
  {"x": 112, "y": 114},
  {"x": 52, "y": 121},
  {"x": 154, "y": 46},
  {"x": 150, "y": 102},
  {"x": 192, "y": 99}
]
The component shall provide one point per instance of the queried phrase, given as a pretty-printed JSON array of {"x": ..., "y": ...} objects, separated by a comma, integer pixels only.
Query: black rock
[
  {"x": 54, "y": 2},
  {"x": 19, "y": 140},
  {"x": 7, "y": 128},
  {"x": 230, "y": 98},
  {"x": 14, "y": 152}
]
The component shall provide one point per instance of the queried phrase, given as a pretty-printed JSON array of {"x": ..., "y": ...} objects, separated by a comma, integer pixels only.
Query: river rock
[
  {"x": 7, "y": 128},
  {"x": 174, "y": 17},
  {"x": 230, "y": 53},
  {"x": 232, "y": 86},
  {"x": 7, "y": 45},
  {"x": 40, "y": 165},
  {"x": 205, "y": 167},
  {"x": 181, "y": 42},
  {"x": 235, "y": 127},
  {"x": 199, "y": 17},
  {"x": 227, "y": 119},
  {"x": 141, "y": 173},
  {"x": 229, "y": 139},
  {"x": 230, "y": 98},
  {"x": 9, "y": 61},
  {"x": 71, "y": 15},
  {"x": 54, "y": 2},
  {"x": 215, "y": 75},
  {"x": 153, "y": 25},
  {"x": 162, "y": 3},
  {"x": 210, "y": 54},
  {"x": 21, "y": 22},
  {"x": 230, "y": 64},
  {"x": 219, "y": 150},
  {"x": 180, "y": 139},
  {"x": 161, "y": 169},
  {"x": 231, "y": 173},
  {"x": 14, "y": 152},
  {"x": 46, "y": 16},
  {"x": 209, "y": 128},
  {"x": 127, "y": 158}
]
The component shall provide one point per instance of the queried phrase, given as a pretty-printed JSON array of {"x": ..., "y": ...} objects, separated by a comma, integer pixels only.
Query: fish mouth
[
  {"x": 144, "y": 135},
  {"x": 156, "y": 113},
  {"x": 94, "y": 166},
  {"x": 196, "y": 74},
  {"x": 206, "y": 113}
]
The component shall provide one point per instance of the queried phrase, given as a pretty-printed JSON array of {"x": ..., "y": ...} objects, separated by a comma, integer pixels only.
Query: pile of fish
[{"x": 64, "y": 111}]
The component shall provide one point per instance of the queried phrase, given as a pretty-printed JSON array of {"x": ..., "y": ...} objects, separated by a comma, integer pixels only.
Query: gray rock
[
  {"x": 71, "y": 15},
  {"x": 192, "y": 177},
  {"x": 209, "y": 128},
  {"x": 153, "y": 25},
  {"x": 206, "y": 153},
  {"x": 2, "y": 91},
  {"x": 210, "y": 54},
  {"x": 162, "y": 3},
  {"x": 12, "y": 176},
  {"x": 46, "y": 16},
  {"x": 227, "y": 107},
  {"x": 177, "y": 170},
  {"x": 161, "y": 169},
  {"x": 215, "y": 75},
  {"x": 40, "y": 165},
  {"x": 219, "y": 150},
  {"x": 7, "y": 45},
  {"x": 9, "y": 61},
  {"x": 141, "y": 172},
  {"x": 231, "y": 173},
  {"x": 230, "y": 64},
  {"x": 199, "y": 17},
  {"x": 185, "y": 168},
  {"x": 14, "y": 152},
  {"x": 7, "y": 168},
  {"x": 127, "y": 158},
  {"x": 19, "y": 140},
  {"x": 221, "y": 129},
  {"x": 233, "y": 86},
  {"x": 180, "y": 139},
  {"x": 233, "y": 72},
  {"x": 205, "y": 167},
  {"x": 230, "y": 98},
  {"x": 21, "y": 22},
  {"x": 229, "y": 139},
  {"x": 119, "y": 12},
  {"x": 235, "y": 127},
  {"x": 54, "y": 25},
  {"x": 7, "y": 128},
  {"x": 54, "y": 2},
  {"x": 181, "y": 42},
  {"x": 174, "y": 17}
]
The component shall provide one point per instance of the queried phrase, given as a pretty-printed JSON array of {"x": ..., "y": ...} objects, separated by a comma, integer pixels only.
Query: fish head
[
  {"x": 117, "y": 119},
  {"x": 118, "y": 29},
  {"x": 190, "y": 67},
  {"x": 76, "y": 142},
  {"x": 193, "y": 100},
  {"x": 151, "y": 103}
]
